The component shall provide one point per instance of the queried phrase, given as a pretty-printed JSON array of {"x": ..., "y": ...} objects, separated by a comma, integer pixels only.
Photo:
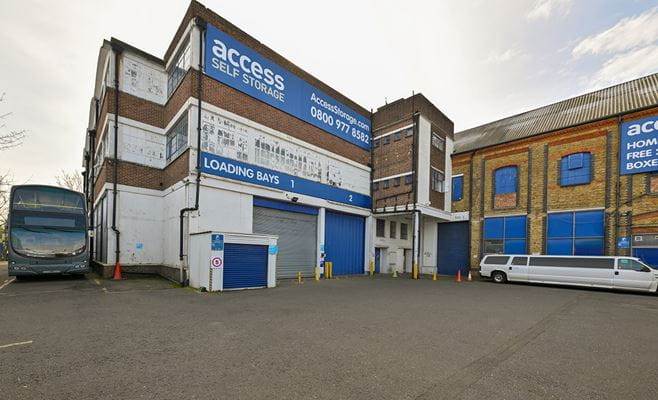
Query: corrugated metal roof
[{"x": 604, "y": 103}]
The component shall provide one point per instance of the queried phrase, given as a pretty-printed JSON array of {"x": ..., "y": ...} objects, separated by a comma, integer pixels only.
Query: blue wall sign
[
  {"x": 227, "y": 168},
  {"x": 624, "y": 243},
  {"x": 241, "y": 68},
  {"x": 639, "y": 146},
  {"x": 217, "y": 242}
]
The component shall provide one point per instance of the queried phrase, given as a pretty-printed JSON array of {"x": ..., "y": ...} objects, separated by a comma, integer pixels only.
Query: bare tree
[
  {"x": 8, "y": 138},
  {"x": 5, "y": 184},
  {"x": 70, "y": 180}
]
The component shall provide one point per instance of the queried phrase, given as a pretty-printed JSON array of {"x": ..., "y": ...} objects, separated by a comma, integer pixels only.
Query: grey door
[{"x": 297, "y": 239}]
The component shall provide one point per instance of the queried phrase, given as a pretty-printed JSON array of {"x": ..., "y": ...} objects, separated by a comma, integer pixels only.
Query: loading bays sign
[{"x": 639, "y": 146}]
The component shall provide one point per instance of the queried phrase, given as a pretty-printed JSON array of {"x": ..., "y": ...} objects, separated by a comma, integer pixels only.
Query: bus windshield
[{"x": 47, "y": 222}]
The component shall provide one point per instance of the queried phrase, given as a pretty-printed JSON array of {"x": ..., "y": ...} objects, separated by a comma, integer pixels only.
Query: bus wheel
[{"x": 498, "y": 277}]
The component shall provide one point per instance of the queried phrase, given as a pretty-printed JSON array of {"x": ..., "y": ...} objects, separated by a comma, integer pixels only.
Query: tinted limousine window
[
  {"x": 498, "y": 260},
  {"x": 572, "y": 262}
]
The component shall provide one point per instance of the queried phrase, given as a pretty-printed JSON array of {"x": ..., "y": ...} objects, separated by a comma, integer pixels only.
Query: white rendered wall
[
  {"x": 424, "y": 137},
  {"x": 141, "y": 224},
  {"x": 392, "y": 250}
]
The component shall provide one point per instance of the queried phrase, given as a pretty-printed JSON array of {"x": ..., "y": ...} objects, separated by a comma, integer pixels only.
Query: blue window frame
[
  {"x": 578, "y": 233},
  {"x": 506, "y": 179},
  {"x": 505, "y": 235},
  {"x": 457, "y": 187},
  {"x": 576, "y": 169}
]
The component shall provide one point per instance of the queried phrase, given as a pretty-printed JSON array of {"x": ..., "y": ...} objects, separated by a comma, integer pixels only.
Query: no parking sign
[{"x": 216, "y": 262}]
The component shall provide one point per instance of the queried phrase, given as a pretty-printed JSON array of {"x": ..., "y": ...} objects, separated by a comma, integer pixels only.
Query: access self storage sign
[
  {"x": 639, "y": 146},
  {"x": 241, "y": 68}
]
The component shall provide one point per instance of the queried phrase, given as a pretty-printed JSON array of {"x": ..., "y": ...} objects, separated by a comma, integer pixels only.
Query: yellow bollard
[
  {"x": 317, "y": 273},
  {"x": 415, "y": 275},
  {"x": 299, "y": 278},
  {"x": 331, "y": 270},
  {"x": 434, "y": 277},
  {"x": 372, "y": 267}
]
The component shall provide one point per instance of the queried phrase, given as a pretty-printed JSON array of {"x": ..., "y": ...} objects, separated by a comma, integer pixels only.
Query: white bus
[{"x": 626, "y": 273}]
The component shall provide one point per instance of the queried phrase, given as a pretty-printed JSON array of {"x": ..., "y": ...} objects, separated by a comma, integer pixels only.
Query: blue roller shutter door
[
  {"x": 648, "y": 255},
  {"x": 245, "y": 266},
  {"x": 452, "y": 252},
  {"x": 344, "y": 243}
]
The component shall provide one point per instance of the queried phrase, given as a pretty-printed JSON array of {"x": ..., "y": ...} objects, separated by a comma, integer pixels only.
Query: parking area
[{"x": 350, "y": 338}]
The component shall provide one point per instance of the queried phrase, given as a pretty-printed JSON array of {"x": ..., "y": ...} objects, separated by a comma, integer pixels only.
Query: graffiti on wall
[{"x": 228, "y": 138}]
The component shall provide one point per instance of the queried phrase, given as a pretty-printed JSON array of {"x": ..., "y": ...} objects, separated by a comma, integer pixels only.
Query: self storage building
[
  {"x": 578, "y": 177},
  {"x": 223, "y": 134}
]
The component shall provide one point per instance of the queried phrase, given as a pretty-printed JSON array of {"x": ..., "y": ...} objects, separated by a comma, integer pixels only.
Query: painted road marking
[
  {"x": 98, "y": 282},
  {"x": 15, "y": 344},
  {"x": 7, "y": 282}
]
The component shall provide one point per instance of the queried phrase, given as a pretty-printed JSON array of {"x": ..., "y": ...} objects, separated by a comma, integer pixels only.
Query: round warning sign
[{"x": 216, "y": 262}]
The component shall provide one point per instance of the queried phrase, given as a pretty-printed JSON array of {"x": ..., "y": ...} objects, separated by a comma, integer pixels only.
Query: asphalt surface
[{"x": 352, "y": 338}]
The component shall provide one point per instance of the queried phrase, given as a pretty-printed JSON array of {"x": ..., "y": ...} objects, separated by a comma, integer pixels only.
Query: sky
[{"x": 476, "y": 60}]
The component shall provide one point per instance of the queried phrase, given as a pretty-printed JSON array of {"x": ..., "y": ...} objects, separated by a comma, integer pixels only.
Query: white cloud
[
  {"x": 629, "y": 33},
  {"x": 626, "y": 66},
  {"x": 544, "y": 9},
  {"x": 499, "y": 58}
]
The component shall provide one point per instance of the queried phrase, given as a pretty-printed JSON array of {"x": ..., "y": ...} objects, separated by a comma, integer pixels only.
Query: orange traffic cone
[
  {"x": 117, "y": 272},
  {"x": 459, "y": 275},
  {"x": 469, "y": 276}
]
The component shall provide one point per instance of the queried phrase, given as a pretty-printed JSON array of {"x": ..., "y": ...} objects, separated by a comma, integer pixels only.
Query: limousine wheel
[{"x": 498, "y": 277}]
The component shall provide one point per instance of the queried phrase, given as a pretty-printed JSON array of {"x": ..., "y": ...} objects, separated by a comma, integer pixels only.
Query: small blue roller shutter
[
  {"x": 245, "y": 266},
  {"x": 344, "y": 243},
  {"x": 648, "y": 255}
]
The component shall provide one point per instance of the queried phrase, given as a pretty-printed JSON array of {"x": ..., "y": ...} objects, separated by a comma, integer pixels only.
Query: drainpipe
[
  {"x": 202, "y": 29},
  {"x": 415, "y": 245},
  {"x": 117, "y": 51},
  {"x": 92, "y": 177}
]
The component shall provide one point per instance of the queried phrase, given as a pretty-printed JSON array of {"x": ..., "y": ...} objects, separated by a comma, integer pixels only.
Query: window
[
  {"x": 375, "y": 186},
  {"x": 381, "y": 226},
  {"x": 632, "y": 265},
  {"x": 404, "y": 231},
  {"x": 375, "y": 143},
  {"x": 505, "y": 180},
  {"x": 397, "y": 136},
  {"x": 387, "y": 139},
  {"x": 520, "y": 261},
  {"x": 408, "y": 179},
  {"x": 437, "y": 183},
  {"x": 393, "y": 229},
  {"x": 177, "y": 71},
  {"x": 496, "y": 260},
  {"x": 385, "y": 184},
  {"x": 505, "y": 235},
  {"x": 396, "y": 181},
  {"x": 438, "y": 142},
  {"x": 575, "y": 233},
  {"x": 177, "y": 138},
  {"x": 576, "y": 169},
  {"x": 572, "y": 262},
  {"x": 457, "y": 187},
  {"x": 409, "y": 131}
]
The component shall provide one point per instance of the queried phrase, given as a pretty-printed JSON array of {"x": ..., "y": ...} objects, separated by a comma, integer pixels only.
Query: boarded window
[
  {"x": 576, "y": 169},
  {"x": 505, "y": 180},
  {"x": 457, "y": 187},
  {"x": 575, "y": 233},
  {"x": 505, "y": 235}
]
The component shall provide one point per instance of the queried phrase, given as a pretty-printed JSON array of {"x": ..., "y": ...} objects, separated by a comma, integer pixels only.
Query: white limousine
[{"x": 605, "y": 272}]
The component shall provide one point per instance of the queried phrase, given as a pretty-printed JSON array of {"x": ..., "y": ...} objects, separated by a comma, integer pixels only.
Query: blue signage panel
[
  {"x": 238, "y": 66},
  {"x": 624, "y": 243},
  {"x": 639, "y": 146},
  {"x": 227, "y": 168},
  {"x": 217, "y": 242}
]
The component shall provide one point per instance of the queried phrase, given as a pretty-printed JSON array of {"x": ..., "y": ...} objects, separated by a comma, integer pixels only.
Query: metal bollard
[{"x": 372, "y": 267}]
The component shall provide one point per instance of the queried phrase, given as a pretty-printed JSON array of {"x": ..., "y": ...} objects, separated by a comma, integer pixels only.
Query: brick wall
[{"x": 631, "y": 209}]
